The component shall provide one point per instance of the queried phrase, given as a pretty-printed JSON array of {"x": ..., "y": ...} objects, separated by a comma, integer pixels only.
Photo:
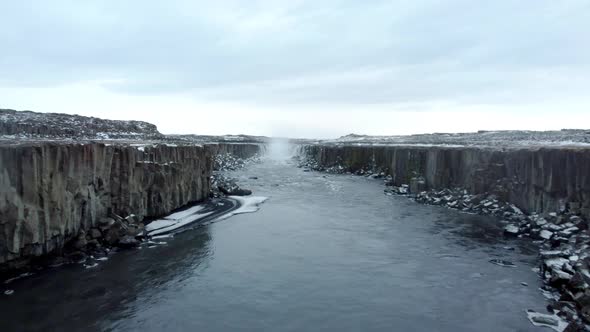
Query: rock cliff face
[
  {"x": 49, "y": 191},
  {"x": 61, "y": 174},
  {"x": 238, "y": 150},
  {"x": 534, "y": 179}
]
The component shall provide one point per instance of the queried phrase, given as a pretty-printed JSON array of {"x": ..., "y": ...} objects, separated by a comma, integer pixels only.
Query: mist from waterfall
[{"x": 280, "y": 149}]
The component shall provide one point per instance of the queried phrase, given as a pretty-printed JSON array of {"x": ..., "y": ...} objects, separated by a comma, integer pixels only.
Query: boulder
[
  {"x": 585, "y": 313},
  {"x": 134, "y": 230},
  {"x": 128, "y": 242},
  {"x": 574, "y": 327},
  {"x": 113, "y": 234},
  {"x": 417, "y": 185},
  {"x": 95, "y": 233},
  {"x": 583, "y": 298},
  {"x": 76, "y": 256},
  {"x": 106, "y": 222},
  {"x": 545, "y": 234},
  {"x": 241, "y": 192},
  {"x": 80, "y": 242},
  {"x": 132, "y": 219},
  {"x": 511, "y": 230},
  {"x": 93, "y": 244}
]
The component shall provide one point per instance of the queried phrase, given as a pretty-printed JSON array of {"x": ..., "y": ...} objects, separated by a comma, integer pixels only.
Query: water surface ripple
[{"x": 329, "y": 253}]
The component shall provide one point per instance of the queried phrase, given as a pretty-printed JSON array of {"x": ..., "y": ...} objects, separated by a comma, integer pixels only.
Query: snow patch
[
  {"x": 164, "y": 236},
  {"x": 551, "y": 321},
  {"x": 166, "y": 225},
  {"x": 247, "y": 205},
  {"x": 184, "y": 213}
]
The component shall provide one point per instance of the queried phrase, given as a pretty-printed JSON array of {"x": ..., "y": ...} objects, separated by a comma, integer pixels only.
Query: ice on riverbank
[
  {"x": 247, "y": 205},
  {"x": 185, "y": 213},
  {"x": 176, "y": 221}
]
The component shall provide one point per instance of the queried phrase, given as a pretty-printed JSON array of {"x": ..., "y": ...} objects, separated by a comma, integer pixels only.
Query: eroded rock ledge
[{"x": 534, "y": 179}]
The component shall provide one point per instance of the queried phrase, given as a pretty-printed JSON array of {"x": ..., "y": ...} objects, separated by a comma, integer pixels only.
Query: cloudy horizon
[{"x": 302, "y": 68}]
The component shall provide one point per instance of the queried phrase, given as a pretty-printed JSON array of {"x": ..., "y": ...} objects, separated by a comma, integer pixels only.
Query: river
[{"x": 324, "y": 253}]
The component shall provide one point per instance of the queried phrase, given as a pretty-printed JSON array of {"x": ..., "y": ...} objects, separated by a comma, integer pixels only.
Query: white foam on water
[
  {"x": 247, "y": 205},
  {"x": 24, "y": 275},
  {"x": 102, "y": 259},
  {"x": 90, "y": 266},
  {"x": 8, "y": 292}
]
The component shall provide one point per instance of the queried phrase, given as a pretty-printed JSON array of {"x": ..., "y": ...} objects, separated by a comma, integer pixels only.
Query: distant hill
[
  {"x": 571, "y": 137},
  {"x": 27, "y": 124}
]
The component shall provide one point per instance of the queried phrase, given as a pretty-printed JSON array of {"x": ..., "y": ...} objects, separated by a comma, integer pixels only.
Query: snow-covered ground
[
  {"x": 566, "y": 137},
  {"x": 25, "y": 125}
]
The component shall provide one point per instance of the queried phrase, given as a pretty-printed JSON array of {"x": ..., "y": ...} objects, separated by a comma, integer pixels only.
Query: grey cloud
[{"x": 274, "y": 52}]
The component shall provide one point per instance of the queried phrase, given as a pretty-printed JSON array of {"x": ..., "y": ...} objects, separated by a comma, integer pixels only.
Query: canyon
[{"x": 73, "y": 185}]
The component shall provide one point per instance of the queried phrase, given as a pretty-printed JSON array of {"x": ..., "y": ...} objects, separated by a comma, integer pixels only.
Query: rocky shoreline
[
  {"x": 562, "y": 237},
  {"x": 114, "y": 233},
  {"x": 72, "y": 186},
  {"x": 221, "y": 184}
]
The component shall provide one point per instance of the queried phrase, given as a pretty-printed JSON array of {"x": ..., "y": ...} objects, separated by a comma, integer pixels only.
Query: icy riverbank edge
[{"x": 427, "y": 175}]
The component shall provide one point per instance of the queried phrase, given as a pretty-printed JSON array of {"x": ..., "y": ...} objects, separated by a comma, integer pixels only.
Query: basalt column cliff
[
  {"x": 50, "y": 191},
  {"x": 537, "y": 176},
  {"x": 65, "y": 177}
]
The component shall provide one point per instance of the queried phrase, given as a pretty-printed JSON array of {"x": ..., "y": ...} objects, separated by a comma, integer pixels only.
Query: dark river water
[{"x": 324, "y": 253}]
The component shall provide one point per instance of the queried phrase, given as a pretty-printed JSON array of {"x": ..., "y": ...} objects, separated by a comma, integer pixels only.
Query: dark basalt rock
[
  {"x": 534, "y": 179},
  {"x": 235, "y": 191},
  {"x": 128, "y": 242},
  {"x": 56, "y": 180},
  {"x": 68, "y": 187},
  {"x": 95, "y": 233},
  {"x": 574, "y": 327}
]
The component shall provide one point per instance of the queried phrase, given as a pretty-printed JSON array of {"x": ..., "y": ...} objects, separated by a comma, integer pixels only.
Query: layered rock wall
[
  {"x": 534, "y": 179},
  {"x": 238, "y": 150},
  {"x": 49, "y": 191}
]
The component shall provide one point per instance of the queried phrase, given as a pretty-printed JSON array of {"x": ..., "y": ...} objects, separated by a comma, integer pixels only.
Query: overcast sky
[{"x": 302, "y": 68}]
